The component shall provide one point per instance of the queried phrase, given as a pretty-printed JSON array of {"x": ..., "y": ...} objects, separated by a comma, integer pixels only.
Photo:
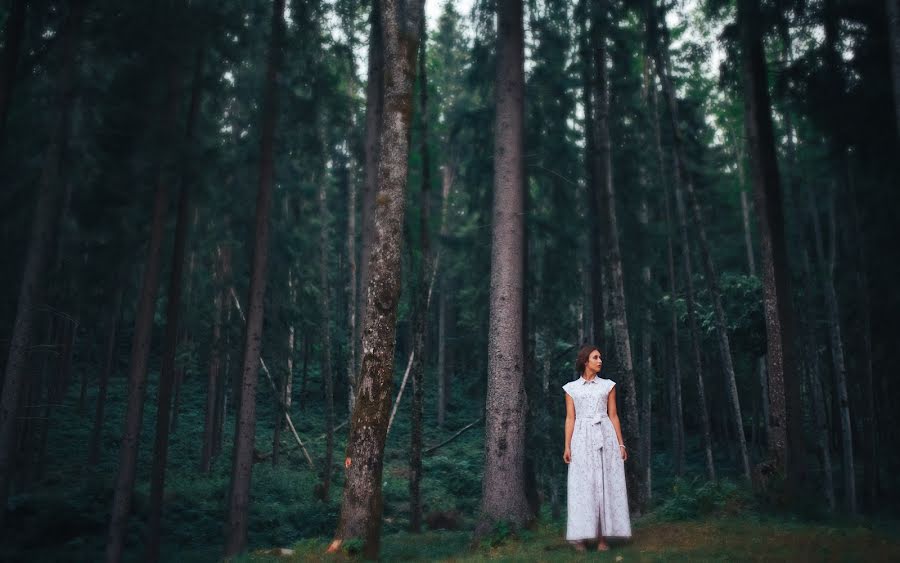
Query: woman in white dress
[{"x": 596, "y": 454}]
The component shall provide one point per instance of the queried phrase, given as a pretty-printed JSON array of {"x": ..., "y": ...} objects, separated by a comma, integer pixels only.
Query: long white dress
[{"x": 597, "y": 499}]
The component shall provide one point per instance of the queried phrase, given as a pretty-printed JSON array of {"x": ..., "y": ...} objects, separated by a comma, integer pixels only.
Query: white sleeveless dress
[{"x": 597, "y": 499}]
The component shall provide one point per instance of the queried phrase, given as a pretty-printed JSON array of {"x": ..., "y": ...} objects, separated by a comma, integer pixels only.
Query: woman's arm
[
  {"x": 614, "y": 418},
  {"x": 570, "y": 427}
]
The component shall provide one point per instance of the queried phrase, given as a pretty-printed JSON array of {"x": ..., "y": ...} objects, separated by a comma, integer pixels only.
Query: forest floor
[
  {"x": 716, "y": 539},
  {"x": 63, "y": 513}
]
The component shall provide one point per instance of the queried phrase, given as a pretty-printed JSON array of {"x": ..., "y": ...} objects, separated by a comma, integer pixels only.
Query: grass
[{"x": 738, "y": 538}]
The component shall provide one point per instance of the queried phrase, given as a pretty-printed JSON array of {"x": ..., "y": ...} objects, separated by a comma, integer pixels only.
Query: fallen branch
[
  {"x": 265, "y": 456},
  {"x": 265, "y": 369},
  {"x": 455, "y": 436},
  {"x": 400, "y": 393}
]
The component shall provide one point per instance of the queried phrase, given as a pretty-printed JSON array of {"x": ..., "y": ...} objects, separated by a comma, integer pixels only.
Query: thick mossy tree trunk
[
  {"x": 785, "y": 438},
  {"x": 245, "y": 426},
  {"x": 42, "y": 241},
  {"x": 361, "y": 507}
]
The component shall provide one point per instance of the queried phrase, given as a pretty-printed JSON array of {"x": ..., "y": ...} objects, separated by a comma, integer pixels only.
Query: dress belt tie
[{"x": 595, "y": 431}]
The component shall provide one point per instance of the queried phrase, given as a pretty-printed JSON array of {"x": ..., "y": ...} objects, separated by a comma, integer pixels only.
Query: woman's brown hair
[{"x": 583, "y": 356}]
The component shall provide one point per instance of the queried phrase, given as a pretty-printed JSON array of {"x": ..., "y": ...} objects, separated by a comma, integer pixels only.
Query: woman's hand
[
  {"x": 567, "y": 455},
  {"x": 624, "y": 452}
]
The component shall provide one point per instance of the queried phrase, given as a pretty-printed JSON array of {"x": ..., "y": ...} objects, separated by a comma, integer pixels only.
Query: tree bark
[
  {"x": 893, "y": 23},
  {"x": 503, "y": 485},
  {"x": 214, "y": 378},
  {"x": 361, "y": 508},
  {"x": 173, "y": 320},
  {"x": 827, "y": 266},
  {"x": 103, "y": 383},
  {"x": 618, "y": 314},
  {"x": 423, "y": 269},
  {"x": 785, "y": 435},
  {"x": 224, "y": 367},
  {"x": 815, "y": 384},
  {"x": 447, "y": 176},
  {"x": 245, "y": 425},
  {"x": 12, "y": 49},
  {"x": 647, "y": 364},
  {"x": 44, "y": 232},
  {"x": 327, "y": 368},
  {"x": 374, "y": 115}
]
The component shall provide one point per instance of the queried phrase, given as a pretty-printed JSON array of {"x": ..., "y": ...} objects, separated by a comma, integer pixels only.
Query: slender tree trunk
[
  {"x": 675, "y": 403},
  {"x": 423, "y": 268},
  {"x": 137, "y": 379},
  {"x": 224, "y": 367},
  {"x": 327, "y": 370},
  {"x": 245, "y": 425},
  {"x": 291, "y": 345},
  {"x": 785, "y": 435},
  {"x": 647, "y": 365},
  {"x": 173, "y": 321},
  {"x": 103, "y": 383},
  {"x": 815, "y": 384},
  {"x": 12, "y": 48},
  {"x": 361, "y": 508},
  {"x": 893, "y": 23},
  {"x": 214, "y": 379},
  {"x": 44, "y": 232},
  {"x": 352, "y": 292},
  {"x": 827, "y": 265},
  {"x": 597, "y": 237},
  {"x": 660, "y": 52},
  {"x": 503, "y": 485},
  {"x": 619, "y": 317},
  {"x": 870, "y": 416}
]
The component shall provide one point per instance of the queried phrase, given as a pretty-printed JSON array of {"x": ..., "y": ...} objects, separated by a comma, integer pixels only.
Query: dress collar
[{"x": 585, "y": 381}]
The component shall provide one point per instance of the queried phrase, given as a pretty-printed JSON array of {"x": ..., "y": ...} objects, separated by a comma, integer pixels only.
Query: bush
[{"x": 697, "y": 498}]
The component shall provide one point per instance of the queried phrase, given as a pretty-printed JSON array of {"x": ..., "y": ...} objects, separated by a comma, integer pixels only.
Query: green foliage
[{"x": 696, "y": 498}]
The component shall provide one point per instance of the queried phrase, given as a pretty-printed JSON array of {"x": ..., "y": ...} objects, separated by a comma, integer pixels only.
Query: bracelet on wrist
[{"x": 622, "y": 446}]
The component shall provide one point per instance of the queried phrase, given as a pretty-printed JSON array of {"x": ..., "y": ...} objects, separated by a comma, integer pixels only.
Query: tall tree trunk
[
  {"x": 448, "y": 175},
  {"x": 827, "y": 264},
  {"x": 423, "y": 269},
  {"x": 288, "y": 396},
  {"x": 646, "y": 364},
  {"x": 597, "y": 237},
  {"x": 785, "y": 435},
  {"x": 12, "y": 48},
  {"x": 44, "y": 231},
  {"x": 173, "y": 320},
  {"x": 327, "y": 368},
  {"x": 137, "y": 378},
  {"x": 869, "y": 416},
  {"x": 375, "y": 92},
  {"x": 503, "y": 485},
  {"x": 815, "y": 384},
  {"x": 245, "y": 425},
  {"x": 618, "y": 315},
  {"x": 361, "y": 508},
  {"x": 893, "y": 23},
  {"x": 103, "y": 383},
  {"x": 675, "y": 403},
  {"x": 659, "y": 49},
  {"x": 224, "y": 367},
  {"x": 214, "y": 378}
]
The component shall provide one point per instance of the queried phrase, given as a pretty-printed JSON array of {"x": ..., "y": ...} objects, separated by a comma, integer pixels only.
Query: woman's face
[{"x": 594, "y": 362}]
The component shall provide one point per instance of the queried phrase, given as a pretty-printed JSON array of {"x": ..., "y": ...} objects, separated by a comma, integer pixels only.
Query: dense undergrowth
[{"x": 64, "y": 514}]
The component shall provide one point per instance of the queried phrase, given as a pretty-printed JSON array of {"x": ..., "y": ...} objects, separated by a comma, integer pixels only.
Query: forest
[{"x": 294, "y": 280}]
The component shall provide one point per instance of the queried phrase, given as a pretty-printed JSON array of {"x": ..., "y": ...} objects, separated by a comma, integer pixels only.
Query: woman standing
[{"x": 595, "y": 453}]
